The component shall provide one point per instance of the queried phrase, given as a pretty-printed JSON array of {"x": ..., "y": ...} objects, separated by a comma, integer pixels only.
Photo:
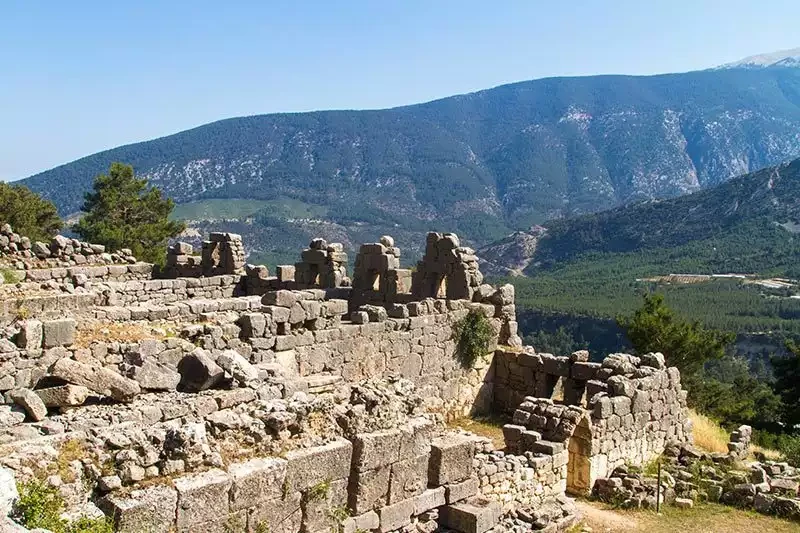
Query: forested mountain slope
[{"x": 481, "y": 164}]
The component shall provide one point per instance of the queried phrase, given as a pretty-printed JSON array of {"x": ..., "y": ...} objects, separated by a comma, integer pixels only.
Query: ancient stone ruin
[{"x": 217, "y": 397}]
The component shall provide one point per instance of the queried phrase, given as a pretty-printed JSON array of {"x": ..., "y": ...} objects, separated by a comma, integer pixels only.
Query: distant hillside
[
  {"x": 747, "y": 224},
  {"x": 481, "y": 164},
  {"x": 599, "y": 265}
]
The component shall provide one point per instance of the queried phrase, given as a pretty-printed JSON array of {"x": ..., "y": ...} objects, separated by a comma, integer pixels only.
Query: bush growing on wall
[{"x": 473, "y": 335}]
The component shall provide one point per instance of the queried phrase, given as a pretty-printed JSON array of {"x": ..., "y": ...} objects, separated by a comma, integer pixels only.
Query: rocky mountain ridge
[{"x": 482, "y": 164}]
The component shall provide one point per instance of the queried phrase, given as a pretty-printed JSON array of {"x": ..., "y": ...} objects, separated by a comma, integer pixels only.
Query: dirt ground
[{"x": 700, "y": 519}]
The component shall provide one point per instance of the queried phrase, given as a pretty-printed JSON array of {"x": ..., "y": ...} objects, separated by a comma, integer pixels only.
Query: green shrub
[
  {"x": 40, "y": 506},
  {"x": 9, "y": 276},
  {"x": 472, "y": 334}
]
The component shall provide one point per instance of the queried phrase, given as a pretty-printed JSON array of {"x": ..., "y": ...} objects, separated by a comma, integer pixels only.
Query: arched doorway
[{"x": 579, "y": 466}]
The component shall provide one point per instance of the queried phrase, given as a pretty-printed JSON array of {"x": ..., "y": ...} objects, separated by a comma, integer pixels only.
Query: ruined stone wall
[{"x": 624, "y": 410}]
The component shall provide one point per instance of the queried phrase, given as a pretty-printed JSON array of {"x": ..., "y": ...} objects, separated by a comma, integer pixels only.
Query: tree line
[{"x": 121, "y": 211}]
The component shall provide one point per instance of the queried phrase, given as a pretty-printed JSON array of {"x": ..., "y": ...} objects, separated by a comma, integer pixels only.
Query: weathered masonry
[{"x": 215, "y": 396}]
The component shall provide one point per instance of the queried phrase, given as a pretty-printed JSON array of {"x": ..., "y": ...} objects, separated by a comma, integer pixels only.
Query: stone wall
[{"x": 625, "y": 410}]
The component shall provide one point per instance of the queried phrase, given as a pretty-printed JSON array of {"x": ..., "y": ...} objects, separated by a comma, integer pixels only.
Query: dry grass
[
  {"x": 707, "y": 518},
  {"x": 708, "y": 435},
  {"x": 489, "y": 427},
  {"x": 89, "y": 332}
]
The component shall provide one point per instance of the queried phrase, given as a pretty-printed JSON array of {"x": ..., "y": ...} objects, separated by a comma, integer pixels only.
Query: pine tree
[
  {"x": 29, "y": 214},
  {"x": 687, "y": 345},
  {"x": 123, "y": 212}
]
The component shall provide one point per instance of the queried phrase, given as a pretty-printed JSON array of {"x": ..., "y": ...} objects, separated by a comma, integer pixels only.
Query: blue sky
[{"x": 83, "y": 76}]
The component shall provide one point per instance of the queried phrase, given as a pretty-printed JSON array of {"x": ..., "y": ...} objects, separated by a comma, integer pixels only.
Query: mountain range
[{"x": 481, "y": 164}]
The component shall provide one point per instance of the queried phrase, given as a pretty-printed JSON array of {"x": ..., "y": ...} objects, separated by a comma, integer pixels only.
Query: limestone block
[
  {"x": 369, "y": 489},
  {"x": 30, "y": 402},
  {"x": 430, "y": 499},
  {"x": 363, "y": 522},
  {"x": 451, "y": 459},
  {"x": 97, "y": 379},
  {"x": 8, "y": 491},
  {"x": 395, "y": 516},
  {"x": 621, "y": 386},
  {"x": 152, "y": 509},
  {"x": 58, "y": 332},
  {"x": 30, "y": 335},
  {"x": 476, "y": 515},
  {"x": 584, "y": 371},
  {"x": 202, "y": 498},
  {"x": 455, "y": 492},
  {"x": 547, "y": 447},
  {"x": 417, "y": 437},
  {"x": 320, "y": 503},
  {"x": 154, "y": 376},
  {"x": 277, "y": 516},
  {"x": 310, "y": 466},
  {"x": 554, "y": 365},
  {"x": 63, "y": 396},
  {"x": 237, "y": 366},
  {"x": 198, "y": 371},
  {"x": 409, "y": 478},
  {"x": 622, "y": 405},
  {"x": 285, "y": 272},
  {"x": 381, "y": 448},
  {"x": 603, "y": 408},
  {"x": 253, "y": 325},
  {"x": 281, "y": 298},
  {"x": 256, "y": 480}
]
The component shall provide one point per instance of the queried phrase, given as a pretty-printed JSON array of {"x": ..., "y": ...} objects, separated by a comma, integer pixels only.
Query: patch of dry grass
[
  {"x": 489, "y": 427},
  {"x": 89, "y": 332},
  {"x": 708, "y": 435}
]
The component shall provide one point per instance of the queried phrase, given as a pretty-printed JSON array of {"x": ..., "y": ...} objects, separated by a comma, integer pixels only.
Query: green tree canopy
[
  {"x": 787, "y": 382},
  {"x": 654, "y": 327},
  {"x": 123, "y": 212},
  {"x": 28, "y": 214}
]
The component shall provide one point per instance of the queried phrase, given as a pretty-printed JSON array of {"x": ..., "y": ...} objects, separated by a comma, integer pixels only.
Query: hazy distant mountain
[
  {"x": 782, "y": 58},
  {"x": 481, "y": 164}
]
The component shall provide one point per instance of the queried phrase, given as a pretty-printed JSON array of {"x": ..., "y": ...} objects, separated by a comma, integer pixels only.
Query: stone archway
[{"x": 579, "y": 465}]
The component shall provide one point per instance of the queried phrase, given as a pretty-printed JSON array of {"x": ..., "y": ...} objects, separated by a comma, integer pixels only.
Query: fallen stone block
[
  {"x": 30, "y": 335},
  {"x": 237, "y": 366},
  {"x": 63, "y": 396},
  {"x": 154, "y": 376},
  {"x": 451, "y": 459},
  {"x": 30, "y": 402},
  {"x": 58, "y": 332},
  {"x": 684, "y": 503},
  {"x": 152, "y": 509},
  {"x": 202, "y": 498},
  {"x": 95, "y": 378},
  {"x": 199, "y": 372},
  {"x": 476, "y": 515}
]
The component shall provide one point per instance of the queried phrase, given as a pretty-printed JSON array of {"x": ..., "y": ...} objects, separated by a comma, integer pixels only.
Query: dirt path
[{"x": 605, "y": 521}]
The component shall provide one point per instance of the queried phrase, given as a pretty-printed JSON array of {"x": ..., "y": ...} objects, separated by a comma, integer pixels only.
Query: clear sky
[{"x": 81, "y": 76}]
